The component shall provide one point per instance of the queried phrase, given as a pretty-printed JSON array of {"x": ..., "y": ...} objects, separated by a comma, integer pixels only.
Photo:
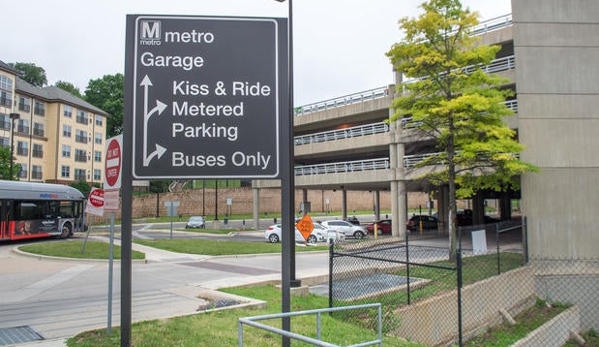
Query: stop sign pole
[{"x": 112, "y": 184}]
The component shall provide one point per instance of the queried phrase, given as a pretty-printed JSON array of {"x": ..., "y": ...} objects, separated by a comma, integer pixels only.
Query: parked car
[
  {"x": 345, "y": 227},
  {"x": 353, "y": 220},
  {"x": 428, "y": 222},
  {"x": 383, "y": 227},
  {"x": 273, "y": 234},
  {"x": 195, "y": 222}
]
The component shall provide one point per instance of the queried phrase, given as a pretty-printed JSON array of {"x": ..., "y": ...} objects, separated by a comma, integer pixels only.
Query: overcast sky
[{"x": 339, "y": 45}]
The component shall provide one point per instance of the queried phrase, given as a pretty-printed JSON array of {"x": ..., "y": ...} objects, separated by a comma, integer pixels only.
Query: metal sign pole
[{"x": 110, "y": 271}]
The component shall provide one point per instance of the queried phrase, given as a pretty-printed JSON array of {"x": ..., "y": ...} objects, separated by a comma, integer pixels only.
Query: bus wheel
[{"x": 66, "y": 230}]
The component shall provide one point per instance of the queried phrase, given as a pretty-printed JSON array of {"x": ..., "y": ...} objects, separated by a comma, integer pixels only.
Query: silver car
[
  {"x": 347, "y": 228},
  {"x": 195, "y": 222}
]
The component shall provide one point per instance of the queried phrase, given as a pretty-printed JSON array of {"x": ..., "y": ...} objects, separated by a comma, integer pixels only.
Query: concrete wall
[
  {"x": 557, "y": 54},
  {"x": 424, "y": 322}
]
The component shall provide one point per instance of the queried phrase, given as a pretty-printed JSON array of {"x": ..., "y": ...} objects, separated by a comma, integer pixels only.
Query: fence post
[
  {"x": 331, "y": 253},
  {"x": 459, "y": 275},
  {"x": 498, "y": 254},
  {"x": 525, "y": 238},
  {"x": 408, "y": 266}
]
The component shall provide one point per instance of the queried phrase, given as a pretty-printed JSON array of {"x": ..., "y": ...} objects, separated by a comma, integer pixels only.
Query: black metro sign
[{"x": 206, "y": 95}]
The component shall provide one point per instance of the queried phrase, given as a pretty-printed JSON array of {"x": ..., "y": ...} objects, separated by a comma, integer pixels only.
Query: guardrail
[
  {"x": 348, "y": 166},
  {"x": 252, "y": 321},
  {"x": 331, "y": 135},
  {"x": 355, "y": 98}
]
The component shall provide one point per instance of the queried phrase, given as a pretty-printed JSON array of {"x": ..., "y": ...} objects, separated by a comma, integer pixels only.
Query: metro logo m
[{"x": 150, "y": 30}]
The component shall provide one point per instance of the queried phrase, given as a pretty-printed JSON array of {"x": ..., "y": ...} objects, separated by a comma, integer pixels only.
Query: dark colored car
[
  {"x": 383, "y": 227},
  {"x": 428, "y": 222},
  {"x": 353, "y": 220}
]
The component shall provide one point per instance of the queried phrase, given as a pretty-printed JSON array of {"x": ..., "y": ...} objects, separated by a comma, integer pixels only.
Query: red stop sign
[
  {"x": 96, "y": 197},
  {"x": 112, "y": 166}
]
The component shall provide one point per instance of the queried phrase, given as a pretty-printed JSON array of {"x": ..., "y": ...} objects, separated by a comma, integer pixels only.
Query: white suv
[{"x": 346, "y": 228}]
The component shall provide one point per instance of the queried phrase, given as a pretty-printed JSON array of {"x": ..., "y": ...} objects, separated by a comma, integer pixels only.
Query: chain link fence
[{"x": 490, "y": 290}]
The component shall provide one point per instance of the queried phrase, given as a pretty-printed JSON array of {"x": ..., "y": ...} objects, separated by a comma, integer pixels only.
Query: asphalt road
[{"x": 62, "y": 298}]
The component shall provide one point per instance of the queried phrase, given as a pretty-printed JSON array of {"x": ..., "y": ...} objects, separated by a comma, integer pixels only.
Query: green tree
[
  {"x": 31, "y": 73},
  {"x": 83, "y": 187},
  {"x": 69, "y": 87},
  {"x": 5, "y": 165},
  {"x": 107, "y": 94},
  {"x": 448, "y": 98}
]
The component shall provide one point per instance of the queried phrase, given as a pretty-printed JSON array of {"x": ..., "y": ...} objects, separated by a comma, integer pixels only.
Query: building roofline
[{"x": 55, "y": 94}]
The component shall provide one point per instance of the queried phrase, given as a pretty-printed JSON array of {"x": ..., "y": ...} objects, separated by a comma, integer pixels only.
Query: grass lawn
[
  {"x": 219, "y": 328},
  {"x": 526, "y": 321},
  {"x": 74, "y": 249},
  {"x": 215, "y": 247},
  {"x": 100, "y": 250},
  {"x": 201, "y": 231}
]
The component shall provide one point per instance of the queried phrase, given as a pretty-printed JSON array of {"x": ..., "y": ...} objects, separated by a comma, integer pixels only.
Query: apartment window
[
  {"x": 65, "y": 171},
  {"x": 23, "y": 172},
  {"x": 81, "y": 117},
  {"x": 24, "y": 104},
  {"x": 36, "y": 172},
  {"x": 68, "y": 111},
  {"x": 5, "y": 91},
  {"x": 38, "y": 129},
  {"x": 66, "y": 130},
  {"x": 99, "y": 121},
  {"x": 4, "y": 121},
  {"x": 98, "y": 138},
  {"x": 22, "y": 148},
  {"x": 98, "y": 156},
  {"x": 81, "y": 136},
  {"x": 80, "y": 155},
  {"x": 5, "y": 98},
  {"x": 38, "y": 151},
  {"x": 5, "y": 83},
  {"x": 97, "y": 174},
  {"x": 4, "y": 142},
  {"x": 66, "y": 151},
  {"x": 79, "y": 175},
  {"x": 39, "y": 109},
  {"x": 23, "y": 126}
]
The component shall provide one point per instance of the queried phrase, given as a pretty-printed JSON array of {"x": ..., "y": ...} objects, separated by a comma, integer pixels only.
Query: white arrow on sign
[{"x": 159, "y": 108}]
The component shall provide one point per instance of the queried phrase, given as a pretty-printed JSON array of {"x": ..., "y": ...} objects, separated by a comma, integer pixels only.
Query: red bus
[{"x": 30, "y": 210}]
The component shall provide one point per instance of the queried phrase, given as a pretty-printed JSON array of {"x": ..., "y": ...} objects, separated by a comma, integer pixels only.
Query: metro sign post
[{"x": 207, "y": 96}]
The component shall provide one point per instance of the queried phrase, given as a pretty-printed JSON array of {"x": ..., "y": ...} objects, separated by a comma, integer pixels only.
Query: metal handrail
[
  {"x": 341, "y": 167},
  {"x": 407, "y": 123},
  {"x": 496, "y": 65},
  {"x": 350, "y": 99},
  {"x": 251, "y": 321},
  {"x": 332, "y": 135}
]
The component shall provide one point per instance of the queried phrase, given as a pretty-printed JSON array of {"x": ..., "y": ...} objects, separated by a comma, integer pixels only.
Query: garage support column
[
  {"x": 305, "y": 202},
  {"x": 256, "y": 207},
  {"x": 505, "y": 206},
  {"x": 377, "y": 205},
  {"x": 478, "y": 208},
  {"x": 344, "y": 204}
]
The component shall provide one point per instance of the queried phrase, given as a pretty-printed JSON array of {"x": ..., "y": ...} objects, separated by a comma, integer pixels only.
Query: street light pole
[{"x": 13, "y": 117}]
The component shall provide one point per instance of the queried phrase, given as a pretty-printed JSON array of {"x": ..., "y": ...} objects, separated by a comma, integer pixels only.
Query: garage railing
[{"x": 253, "y": 322}]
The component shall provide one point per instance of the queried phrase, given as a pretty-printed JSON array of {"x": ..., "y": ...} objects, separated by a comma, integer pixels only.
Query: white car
[
  {"x": 347, "y": 228},
  {"x": 273, "y": 234}
]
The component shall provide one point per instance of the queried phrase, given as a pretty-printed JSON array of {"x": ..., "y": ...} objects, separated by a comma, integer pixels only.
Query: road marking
[{"x": 45, "y": 284}]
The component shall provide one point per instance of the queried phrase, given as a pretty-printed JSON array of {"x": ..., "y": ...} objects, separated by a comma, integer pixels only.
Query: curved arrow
[{"x": 158, "y": 152}]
